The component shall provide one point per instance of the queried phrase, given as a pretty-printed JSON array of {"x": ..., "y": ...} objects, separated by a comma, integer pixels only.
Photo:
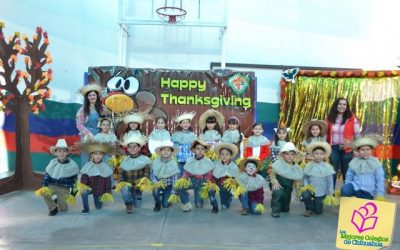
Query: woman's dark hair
[
  {"x": 334, "y": 112},
  {"x": 164, "y": 119},
  {"x": 276, "y": 135},
  {"x": 309, "y": 135},
  {"x": 212, "y": 119},
  {"x": 86, "y": 104},
  {"x": 128, "y": 128},
  {"x": 179, "y": 128},
  {"x": 234, "y": 120}
]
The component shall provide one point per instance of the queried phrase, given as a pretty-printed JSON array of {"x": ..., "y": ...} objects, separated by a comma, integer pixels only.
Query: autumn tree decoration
[{"x": 35, "y": 80}]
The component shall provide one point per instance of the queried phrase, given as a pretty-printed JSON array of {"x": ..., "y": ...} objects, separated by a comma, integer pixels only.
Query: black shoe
[
  {"x": 85, "y": 211},
  {"x": 157, "y": 207},
  {"x": 215, "y": 210},
  {"x": 53, "y": 212}
]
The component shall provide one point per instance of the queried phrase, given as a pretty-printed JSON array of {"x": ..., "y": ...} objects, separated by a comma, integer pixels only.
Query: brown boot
[
  {"x": 244, "y": 211},
  {"x": 129, "y": 208},
  {"x": 308, "y": 213}
]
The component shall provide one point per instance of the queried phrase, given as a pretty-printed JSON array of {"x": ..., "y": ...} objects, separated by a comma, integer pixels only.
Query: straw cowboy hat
[
  {"x": 61, "y": 143},
  {"x": 327, "y": 148},
  {"x": 195, "y": 142},
  {"x": 89, "y": 88},
  {"x": 168, "y": 144},
  {"x": 242, "y": 163},
  {"x": 135, "y": 117},
  {"x": 211, "y": 113},
  {"x": 232, "y": 147},
  {"x": 92, "y": 147},
  {"x": 365, "y": 141},
  {"x": 138, "y": 139},
  {"x": 321, "y": 123},
  {"x": 184, "y": 116}
]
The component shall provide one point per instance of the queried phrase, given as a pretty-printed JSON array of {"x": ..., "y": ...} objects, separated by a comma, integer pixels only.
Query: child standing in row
[
  {"x": 285, "y": 172},
  {"x": 164, "y": 169},
  {"x": 198, "y": 169},
  {"x": 160, "y": 135},
  {"x": 365, "y": 177},
  {"x": 106, "y": 136},
  {"x": 314, "y": 131},
  {"x": 183, "y": 138},
  {"x": 210, "y": 123},
  {"x": 254, "y": 185},
  {"x": 233, "y": 134},
  {"x": 134, "y": 167},
  {"x": 317, "y": 174},
  {"x": 281, "y": 137},
  {"x": 95, "y": 175},
  {"x": 258, "y": 146},
  {"x": 225, "y": 168},
  {"x": 61, "y": 174}
]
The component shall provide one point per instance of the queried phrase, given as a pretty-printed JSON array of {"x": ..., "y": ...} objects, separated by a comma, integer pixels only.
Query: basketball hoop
[{"x": 171, "y": 14}]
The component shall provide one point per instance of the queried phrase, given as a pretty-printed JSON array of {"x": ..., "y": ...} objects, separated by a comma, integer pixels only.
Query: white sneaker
[{"x": 187, "y": 207}]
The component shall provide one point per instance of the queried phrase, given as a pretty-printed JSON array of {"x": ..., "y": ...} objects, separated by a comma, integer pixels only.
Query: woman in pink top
[{"x": 343, "y": 127}]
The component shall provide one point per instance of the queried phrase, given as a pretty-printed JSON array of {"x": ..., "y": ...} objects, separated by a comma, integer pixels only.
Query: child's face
[
  {"x": 105, "y": 126},
  {"x": 185, "y": 124},
  {"x": 251, "y": 168},
  {"x": 133, "y": 148},
  {"x": 315, "y": 130},
  {"x": 282, "y": 135},
  {"x": 61, "y": 154},
  {"x": 289, "y": 156},
  {"x": 160, "y": 124},
  {"x": 257, "y": 130},
  {"x": 199, "y": 150},
  {"x": 318, "y": 155},
  {"x": 225, "y": 155},
  {"x": 133, "y": 126},
  {"x": 210, "y": 126},
  {"x": 166, "y": 153},
  {"x": 233, "y": 126},
  {"x": 97, "y": 157},
  {"x": 365, "y": 151}
]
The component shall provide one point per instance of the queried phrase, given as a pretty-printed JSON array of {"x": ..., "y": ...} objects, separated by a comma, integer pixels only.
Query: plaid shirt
[
  {"x": 338, "y": 131},
  {"x": 98, "y": 184},
  {"x": 274, "y": 154},
  {"x": 184, "y": 152},
  {"x": 134, "y": 175},
  {"x": 170, "y": 181},
  {"x": 67, "y": 182}
]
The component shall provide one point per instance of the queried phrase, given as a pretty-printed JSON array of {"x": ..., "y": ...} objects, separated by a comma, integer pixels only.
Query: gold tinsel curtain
[{"x": 372, "y": 99}]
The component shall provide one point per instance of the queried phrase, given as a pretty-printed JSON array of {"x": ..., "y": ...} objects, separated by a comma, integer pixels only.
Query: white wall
[{"x": 330, "y": 33}]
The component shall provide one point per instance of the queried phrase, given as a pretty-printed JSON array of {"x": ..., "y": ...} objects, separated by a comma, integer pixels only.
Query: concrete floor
[{"x": 24, "y": 224}]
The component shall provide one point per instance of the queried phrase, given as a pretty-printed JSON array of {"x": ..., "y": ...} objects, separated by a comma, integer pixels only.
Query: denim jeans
[
  {"x": 180, "y": 166},
  {"x": 225, "y": 196},
  {"x": 312, "y": 202},
  {"x": 348, "y": 190},
  {"x": 132, "y": 196},
  {"x": 339, "y": 160},
  {"x": 161, "y": 195},
  {"x": 85, "y": 200},
  {"x": 246, "y": 204},
  {"x": 196, "y": 186}
]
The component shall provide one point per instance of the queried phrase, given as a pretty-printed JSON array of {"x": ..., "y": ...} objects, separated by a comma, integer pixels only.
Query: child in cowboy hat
[
  {"x": 164, "y": 169},
  {"x": 285, "y": 172},
  {"x": 365, "y": 176},
  {"x": 61, "y": 174},
  {"x": 134, "y": 167},
  {"x": 198, "y": 169},
  {"x": 183, "y": 138},
  {"x": 313, "y": 131},
  {"x": 225, "y": 168},
  {"x": 253, "y": 184},
  {"x": 317, "y": 176},
  {"x": 210, "y": 123},
  {"x": 96, "y": 176}
]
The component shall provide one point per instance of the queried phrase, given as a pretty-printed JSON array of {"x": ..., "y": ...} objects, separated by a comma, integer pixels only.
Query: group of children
[{"x": 208, "y": 165}]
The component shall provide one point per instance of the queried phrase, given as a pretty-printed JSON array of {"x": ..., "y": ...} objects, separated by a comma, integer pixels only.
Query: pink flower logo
[{"x": 363, "y": 218}]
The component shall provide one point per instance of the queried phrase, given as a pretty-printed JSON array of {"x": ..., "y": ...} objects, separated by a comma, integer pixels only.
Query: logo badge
[{"x": 239, "y": 83}]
